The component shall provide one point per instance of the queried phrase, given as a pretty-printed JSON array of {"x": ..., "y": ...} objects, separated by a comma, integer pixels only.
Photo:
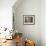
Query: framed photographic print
[{"x": 29, "y": 19}]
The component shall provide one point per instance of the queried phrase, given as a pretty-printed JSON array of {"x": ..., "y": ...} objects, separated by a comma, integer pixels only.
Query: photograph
[{"x": 29, "y": 19}]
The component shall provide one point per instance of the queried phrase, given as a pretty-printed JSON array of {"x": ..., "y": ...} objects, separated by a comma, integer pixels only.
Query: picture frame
[{"x": 28, "y": 19}]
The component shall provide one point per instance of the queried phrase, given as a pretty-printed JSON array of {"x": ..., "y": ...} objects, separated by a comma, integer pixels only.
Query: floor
[
  {"x": 9, "y": 43},
  {"x": 12, "y": 42}
]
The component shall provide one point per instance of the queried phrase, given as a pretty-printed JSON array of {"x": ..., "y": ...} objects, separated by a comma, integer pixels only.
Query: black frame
[{"x": 33, "y": 16}]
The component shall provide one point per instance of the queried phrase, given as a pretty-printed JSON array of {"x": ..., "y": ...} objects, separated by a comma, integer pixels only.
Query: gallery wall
[{"x": 28, "y": 7}]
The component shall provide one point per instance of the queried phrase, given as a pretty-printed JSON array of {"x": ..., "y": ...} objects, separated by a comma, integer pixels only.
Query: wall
[
  {"x": 43, "y": 22},
  {"x": 29, "y": 7},
  {"x": 6, "y": 13}
]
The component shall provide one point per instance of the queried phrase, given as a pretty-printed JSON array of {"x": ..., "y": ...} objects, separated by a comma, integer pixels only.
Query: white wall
[
  {"x": 6, "y": 13},
  {"x": 43, "y": 22},
  {"x": 29, "y": 7}
]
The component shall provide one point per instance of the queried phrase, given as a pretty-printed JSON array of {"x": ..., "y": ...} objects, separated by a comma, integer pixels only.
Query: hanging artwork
[{"x": 29, "y": 19}]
